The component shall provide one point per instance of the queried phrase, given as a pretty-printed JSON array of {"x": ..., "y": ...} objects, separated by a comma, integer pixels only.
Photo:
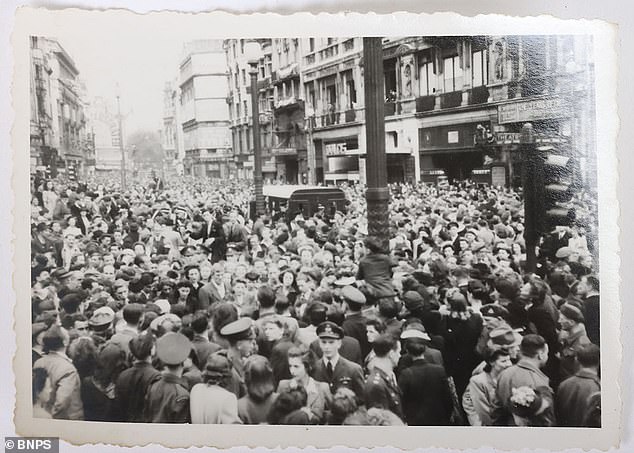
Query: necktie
[{"x": 329, "y": 370}]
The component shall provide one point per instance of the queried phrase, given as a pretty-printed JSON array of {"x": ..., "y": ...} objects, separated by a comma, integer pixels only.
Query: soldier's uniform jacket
[
  {"x": 167, "y": 400},
  {"x": 382, "y": 391},
  {"x": 345, "y": 374}
]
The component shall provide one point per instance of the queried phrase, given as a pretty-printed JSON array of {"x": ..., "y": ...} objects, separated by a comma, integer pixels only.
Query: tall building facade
[
  {"x": 240, "y": 111},
  {"x": 204, "y": 114},
  {"x": 454, "y": 106},
  {"x": 60, "y": 134}
]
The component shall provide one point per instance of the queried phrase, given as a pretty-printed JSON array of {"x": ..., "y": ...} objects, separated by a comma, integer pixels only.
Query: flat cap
[
  {"x": 414, "y": 333},
  {"x": 352, "y": 294},
  {"x": 413, "y": 300},
  {"x": 173, "y": 348},
  {"x": 101, "y": 317},
  {"x": 573, "y": 312},
  {"x": 503, "y": 337}
]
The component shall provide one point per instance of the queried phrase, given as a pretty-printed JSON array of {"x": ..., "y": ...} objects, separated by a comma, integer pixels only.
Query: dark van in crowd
[{"x": 306, "y": 200}]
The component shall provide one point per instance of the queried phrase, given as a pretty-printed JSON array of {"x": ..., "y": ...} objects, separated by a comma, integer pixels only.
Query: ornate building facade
[{"x": 60, "y": 133}]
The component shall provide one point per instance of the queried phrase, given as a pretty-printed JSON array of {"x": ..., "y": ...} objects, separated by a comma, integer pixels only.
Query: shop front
[
  {"x": 341, "y": 160},
  {"x": 453, "y": 152}
]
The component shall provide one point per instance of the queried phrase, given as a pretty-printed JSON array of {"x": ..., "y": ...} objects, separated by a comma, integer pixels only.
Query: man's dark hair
[
  {"x": 373, "y": 244},
  {"x": 132, "y": 313},
  {"x": 200, "y": 323},
  {"x": 266, "y": 297},
  {"x": 388, "y": 308},
  {"x": 592, "y": 281},
  {"x": 531, "y": 345},
  {"x": 53, "y": 339},
  {"x": 353, "y": 306},
  {"x": 141, "y": 346},
  {"x": 317, "y": 313},
  {"x": 383, "y": 344},
  {"x": 589, "y": 355},
  {"x": 415, "y": 346}
]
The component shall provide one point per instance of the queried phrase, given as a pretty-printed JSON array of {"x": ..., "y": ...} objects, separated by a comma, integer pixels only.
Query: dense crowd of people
[{"x": 166, "y": 303}]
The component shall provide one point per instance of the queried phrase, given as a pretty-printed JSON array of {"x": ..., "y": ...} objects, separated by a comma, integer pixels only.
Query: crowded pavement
[{"x": 166, "y": 303}]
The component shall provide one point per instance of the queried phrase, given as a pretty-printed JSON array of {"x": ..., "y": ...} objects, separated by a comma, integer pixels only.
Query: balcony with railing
[
  {"x": 289, "y": 139},
  {"x": 289, "y": 102},
  {"x": 329, "y": 52},
  {"x": 336, "y": 118}
]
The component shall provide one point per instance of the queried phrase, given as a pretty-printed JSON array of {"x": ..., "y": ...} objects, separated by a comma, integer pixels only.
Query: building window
[
  {"x": 310, "y": 90},
  {"x": 392, "y": 140},
  {"x": 311, "y": 44},
  {"x": 389, "y": 73},
  {"x": 480, "y": 68},
  {"x": 246, "y": 108},
  {"x": 244, "y": 77},
  {"x": 452, "y": 74},
  {"x": 351, "y": 91},
  {"x": 331, "y": 41},
  {"x": 242, "y": 47},
  {"x": 426, "y": 74}
]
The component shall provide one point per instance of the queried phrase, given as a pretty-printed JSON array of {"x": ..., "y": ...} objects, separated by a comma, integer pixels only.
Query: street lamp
[
  {"x": 123, "y": 181},
  {"x": 377, "y": 193},
  {"x": 253, "y": 52}
]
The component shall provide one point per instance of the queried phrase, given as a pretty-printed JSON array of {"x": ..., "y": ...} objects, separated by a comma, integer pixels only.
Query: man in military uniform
[
  {"x": 167, "y": 398},
  {"x": 241, "y": 337},
  {"x": 381, "y": 389},
  {"x": 355, "y": 323},
  {"x": 332, "y": 368}
]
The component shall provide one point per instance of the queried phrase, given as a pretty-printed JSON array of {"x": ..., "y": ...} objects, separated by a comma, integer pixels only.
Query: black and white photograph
[{"x": 317, "y": 230}]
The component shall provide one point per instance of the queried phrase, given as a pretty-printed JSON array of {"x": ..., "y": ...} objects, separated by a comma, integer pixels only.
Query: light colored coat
[
  {"x": 65, "y": 402},
  {"x": 211, "y": 404}
]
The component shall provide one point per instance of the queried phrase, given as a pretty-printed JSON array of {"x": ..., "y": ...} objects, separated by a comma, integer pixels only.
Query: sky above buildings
[{"x": 139, "y": 62}]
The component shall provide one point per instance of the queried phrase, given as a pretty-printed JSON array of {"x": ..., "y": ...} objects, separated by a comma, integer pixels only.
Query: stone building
[
  {"x": 204, "y": 114},
  {"x": 60, "y": 134},
  {"x": 454, "y": 106}
]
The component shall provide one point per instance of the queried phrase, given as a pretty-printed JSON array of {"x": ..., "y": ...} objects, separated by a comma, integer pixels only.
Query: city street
[{"x": 340, "y": 231}]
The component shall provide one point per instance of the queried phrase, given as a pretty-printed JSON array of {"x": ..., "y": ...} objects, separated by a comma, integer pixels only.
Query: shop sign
[
  {"x": 336, "y": 149},
  {"x": 536, "y": 109},
  {"x": 509, "y": 138}
]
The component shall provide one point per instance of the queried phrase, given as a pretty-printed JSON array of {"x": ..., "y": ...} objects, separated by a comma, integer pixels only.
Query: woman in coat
[
  {"x": 254, "y": 407},
  {"x": 210, "y": 402},
  {"x": 300, "y": 364},
  {"x": 479, "y": 399}
]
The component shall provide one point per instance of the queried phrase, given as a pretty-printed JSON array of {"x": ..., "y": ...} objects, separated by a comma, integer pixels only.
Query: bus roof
[{"x": 286, "y": 190}]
